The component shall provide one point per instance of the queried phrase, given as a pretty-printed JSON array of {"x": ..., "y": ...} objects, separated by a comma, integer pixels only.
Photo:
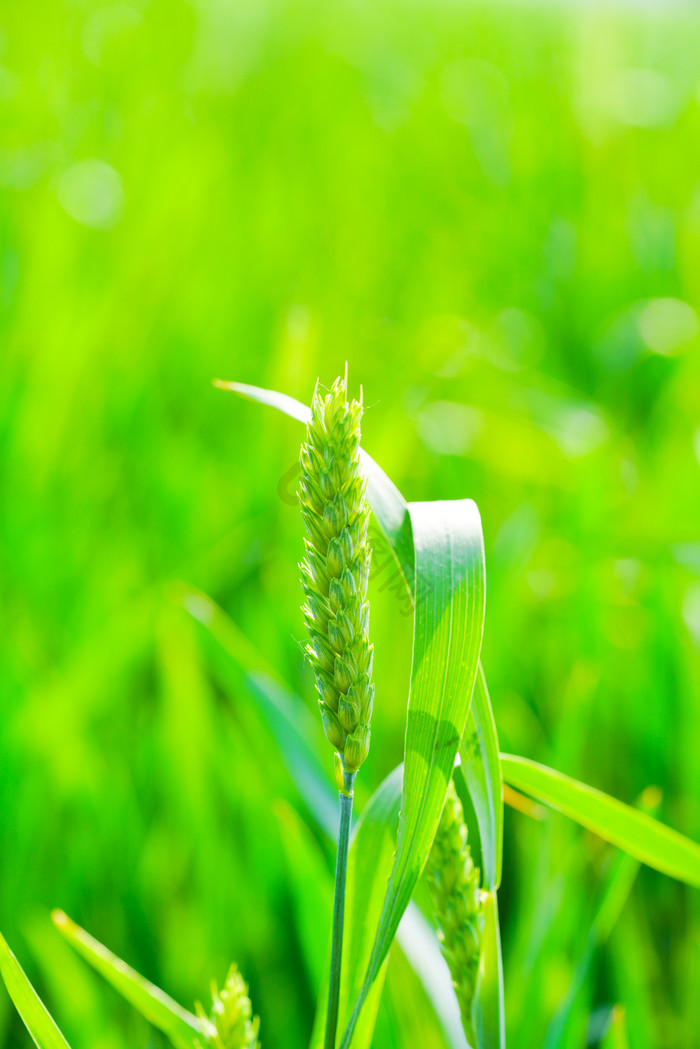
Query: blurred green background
[{"x": 492, "y": 212}]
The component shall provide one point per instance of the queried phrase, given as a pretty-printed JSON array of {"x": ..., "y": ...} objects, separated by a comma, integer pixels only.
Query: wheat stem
[{"x": 341, "y": 867}]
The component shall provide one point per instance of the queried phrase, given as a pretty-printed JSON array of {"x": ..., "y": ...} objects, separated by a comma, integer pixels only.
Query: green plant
[
  {"x": 335, "y": 574},
  {"x": 231, "y": 1015},
  {"x": 415, "y": 814},
  {"x": 456, "y": 889}
]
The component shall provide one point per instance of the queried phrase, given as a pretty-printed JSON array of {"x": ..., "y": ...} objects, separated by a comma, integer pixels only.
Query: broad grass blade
[
  {"x": 184, "y": 1029},
  {"x": 29, "y": 1005},
  {"x": 448, "y": 628},
  {"x": 635, "y": 832}
]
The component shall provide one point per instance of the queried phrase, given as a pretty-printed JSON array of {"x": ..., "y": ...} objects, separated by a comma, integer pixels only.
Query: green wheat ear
[
  {"x": 454, "y": 883},
  {"x": 335, "y": 571},
  {"x": 235, "y": 1027}
]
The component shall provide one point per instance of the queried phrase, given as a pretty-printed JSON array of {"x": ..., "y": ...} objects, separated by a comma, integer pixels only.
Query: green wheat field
[{"x": 491, "y": 212}]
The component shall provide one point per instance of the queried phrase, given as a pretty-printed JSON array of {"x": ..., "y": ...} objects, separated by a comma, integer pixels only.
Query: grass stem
[{"x": 339, "y": 908}]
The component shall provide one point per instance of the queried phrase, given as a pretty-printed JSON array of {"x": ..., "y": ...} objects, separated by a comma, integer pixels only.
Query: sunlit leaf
[
  {"x": 481, "y": 768},
  {"x": 184, "y": 1029},
  {"x": 635, "y": 832},
  {"x": 29, "y": 1005},
  {"x": 448, "y": 627}
]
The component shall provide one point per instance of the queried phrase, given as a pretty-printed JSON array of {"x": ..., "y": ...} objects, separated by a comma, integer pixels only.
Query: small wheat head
[
  {"x": 335, "y": 571},
  {"x": 454, "y": 883},
  {"x": 231, "y": 1021}
]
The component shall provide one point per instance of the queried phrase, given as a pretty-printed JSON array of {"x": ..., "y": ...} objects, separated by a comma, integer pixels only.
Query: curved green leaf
[
  {"x": 635, "y": 832},
  {"x": 481, "y": 768},
  {"x": 29, "y": 1005},
  {"x": 184, "y": 1029},
  {"x": 448, "y": 627}
]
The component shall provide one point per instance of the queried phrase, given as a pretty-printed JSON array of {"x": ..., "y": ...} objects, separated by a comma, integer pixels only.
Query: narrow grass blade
[
  {"x": 481, "y": 768},
  {"x": 489, "y": 1006},
  {"x": 69, "y": 981},
  {"x": 29, "y": 1005},
  {"x": 448, "y": 627},
  {"x": 635, "y": 832},
  {"x": 184, "y": 1029},
  {"x": 311, "y": 882},
  {"x": 285, "y": 714},
  {"x": 281, "y": 401}
]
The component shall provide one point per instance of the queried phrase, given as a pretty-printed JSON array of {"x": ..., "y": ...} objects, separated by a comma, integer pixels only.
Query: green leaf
[
  {"x": 635, "y": 832},
  {"x": 489, "y": 1006},
  {"x": 394, "y": 517},
  {"x": 184, "y": 1029},
  {"x": 481, "y": 768},
  {"x": 29, "y": 1005},
  {"x": 448, "y": 628}
]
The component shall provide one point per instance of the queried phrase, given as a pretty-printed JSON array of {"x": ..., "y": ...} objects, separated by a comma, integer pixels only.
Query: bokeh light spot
[{"x": 92, "y": 193}]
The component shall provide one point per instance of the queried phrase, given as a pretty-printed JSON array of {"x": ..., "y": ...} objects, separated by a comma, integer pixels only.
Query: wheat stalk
[{"x": 334, "y": 576}]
